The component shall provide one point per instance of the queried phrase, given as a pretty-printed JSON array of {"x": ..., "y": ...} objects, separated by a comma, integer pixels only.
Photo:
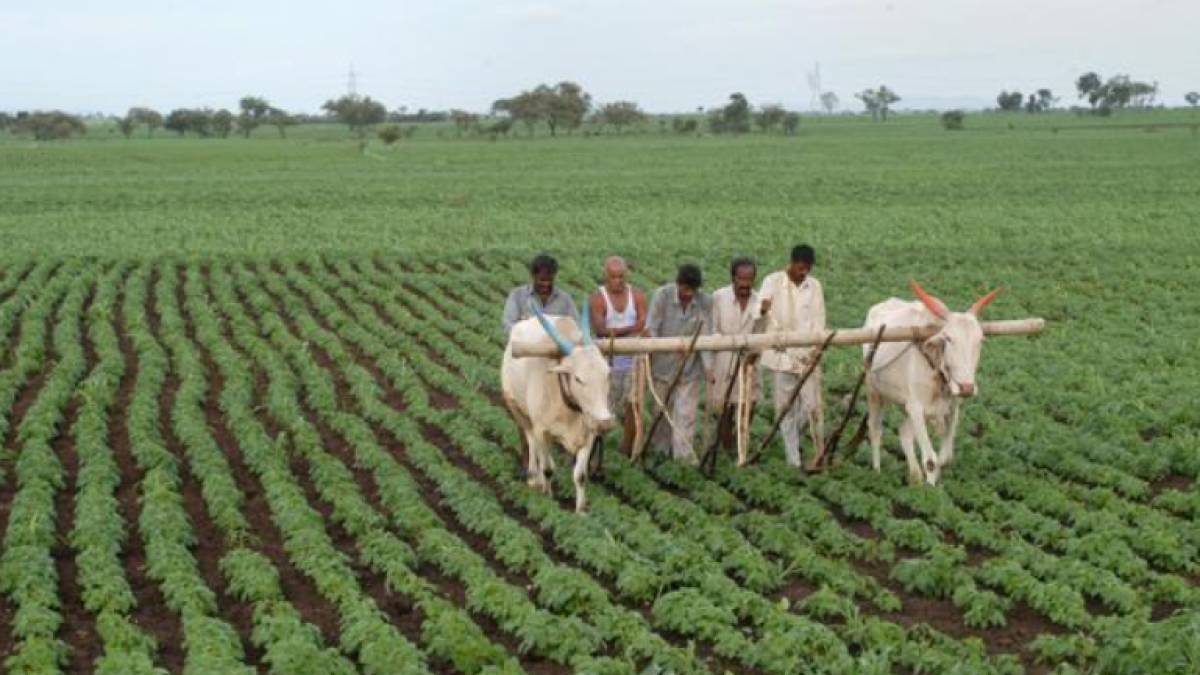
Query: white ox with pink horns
[{"x": 928, "y": 379}]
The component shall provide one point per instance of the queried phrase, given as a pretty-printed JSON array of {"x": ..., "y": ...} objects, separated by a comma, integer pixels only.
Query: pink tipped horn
[
  {"x": 936, "y": 306},
  {"x": 985, "y": 301}
]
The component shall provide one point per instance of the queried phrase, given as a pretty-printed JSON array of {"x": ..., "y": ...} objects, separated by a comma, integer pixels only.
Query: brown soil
[
  {"x": 78, "y": 629},
  {"x": 151, "y": 613},
  {"x": 297, "y": 588}
]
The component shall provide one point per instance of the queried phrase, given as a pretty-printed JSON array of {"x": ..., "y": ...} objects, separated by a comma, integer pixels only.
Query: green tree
[
  {"x": 870, "y": 101},
  {"x": 733, "y": 117},
  {"x": 222, "y": 123},
  {"x": 1046, "y": 100},
  {"x": 770, "y": 116},
  {"x": 887, "y": 98},
  {"x": 829, "y": 102},
  {"x": 1193, "y": 98},
  {"x": 566, "y": 105},
  {"x": 791, "y": 123},
  {"x": 952, "y": 120},
  {"x": 360, "y": 113},
  {"x": 528, "y": 108},
  {"x": 194, "y": 120},
  {"x": 53, "y": 125},
  {"x": 253, "y": 112},
  {"x": 390, "y": 134},
  {"x": 620, "y": 114},
  {"x": 126, "y": 126},
  {"x": 1089, "y": 86},
  {"x": 281, "y": 120},
  {"x": 147, "y": 116},
  {"x": 1010, "y": 101},
  {"x": 463, "y": 121}
]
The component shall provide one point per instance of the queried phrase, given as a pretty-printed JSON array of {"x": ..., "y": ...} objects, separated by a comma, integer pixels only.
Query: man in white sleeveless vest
[{"x": 619, "y": 310}]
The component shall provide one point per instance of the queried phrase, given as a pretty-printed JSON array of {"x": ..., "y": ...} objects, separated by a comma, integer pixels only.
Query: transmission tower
[
  {"x": 352, "y": 82},
  {"x": 814, "y": 87}
]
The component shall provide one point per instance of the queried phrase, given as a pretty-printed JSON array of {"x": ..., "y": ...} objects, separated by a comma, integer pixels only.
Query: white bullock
[
  {"x": 928, "y": 379},
  {"x": 563, "y": 399}
]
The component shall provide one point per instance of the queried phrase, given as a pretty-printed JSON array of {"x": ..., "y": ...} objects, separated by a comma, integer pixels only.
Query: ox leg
[
  {"x": 907, "y": 443},
  {"x": 582, "y": 460},
  {"x": 875, "y": 427},
  {"x": 946, "y": 453},
  {"x": 929, "y": 459},
  {"x": 537, "y": 467}
]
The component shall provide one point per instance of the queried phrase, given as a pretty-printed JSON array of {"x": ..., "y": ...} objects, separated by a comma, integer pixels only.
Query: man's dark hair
[
  {"x": 543, "y": 263},
  {"x": 739, "y": 263},
  {"x": 804, "y": 253},
  {"x": 690, "y": 276}
]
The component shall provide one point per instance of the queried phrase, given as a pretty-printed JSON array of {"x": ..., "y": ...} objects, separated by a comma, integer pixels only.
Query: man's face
[
  {"x": 543, "y": 283},
  {"x": 614, "y": 278},
  {"x": 743, "y": 281},
  {"x": 798, "y": 271},
  {"x": 686, "y": 294}
]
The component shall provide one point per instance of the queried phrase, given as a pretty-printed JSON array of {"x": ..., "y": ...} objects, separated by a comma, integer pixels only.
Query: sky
[{"x": 667, "y": 55}]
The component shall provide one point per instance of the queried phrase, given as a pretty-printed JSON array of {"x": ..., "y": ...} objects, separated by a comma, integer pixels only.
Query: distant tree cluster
[
  {"x": 878, "y": 102},
  {"x": 618, "y": 115},
  {"x": 563, "y": 106},
  {"x": 1015, "y": 101},
  {"x": 360, "y": 113},
  {"x": 51, "y": 125},
  {"x": 737, "y": 116},
  {"x": 1116, "y": 93}
]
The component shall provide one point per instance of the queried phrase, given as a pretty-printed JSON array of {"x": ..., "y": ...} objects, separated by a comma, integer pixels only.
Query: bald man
[{"x": 619, "y": 310}]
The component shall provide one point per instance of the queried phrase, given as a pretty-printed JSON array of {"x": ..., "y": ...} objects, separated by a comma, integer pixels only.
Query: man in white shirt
[
  {"x": 795, "y": 301},
  {"x": 736, "y": 311}
]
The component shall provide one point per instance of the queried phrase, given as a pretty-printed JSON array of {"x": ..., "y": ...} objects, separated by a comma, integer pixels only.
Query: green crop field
[{"x": 249, "y": 402}]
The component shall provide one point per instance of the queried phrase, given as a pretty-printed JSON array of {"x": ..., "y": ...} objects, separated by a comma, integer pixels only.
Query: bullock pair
[{"x": 565, "y": 399}]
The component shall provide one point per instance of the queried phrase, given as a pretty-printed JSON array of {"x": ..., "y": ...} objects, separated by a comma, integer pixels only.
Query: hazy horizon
[{"x": 669, "y": 55}]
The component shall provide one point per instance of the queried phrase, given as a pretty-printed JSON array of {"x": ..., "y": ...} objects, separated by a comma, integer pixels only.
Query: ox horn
[
  {"x": 985, "y": 301},
  {"x": 586, "y": 329},
  {"x": 565, "y": 347},
  {"x": 936, "y": 306}
]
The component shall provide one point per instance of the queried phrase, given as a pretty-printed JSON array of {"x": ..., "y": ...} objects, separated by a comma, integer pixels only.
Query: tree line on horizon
[{"x": 561, "y": 108}]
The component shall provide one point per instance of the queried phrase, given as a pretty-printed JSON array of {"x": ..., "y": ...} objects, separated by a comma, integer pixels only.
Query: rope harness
[{"x": 564, "y": 386}]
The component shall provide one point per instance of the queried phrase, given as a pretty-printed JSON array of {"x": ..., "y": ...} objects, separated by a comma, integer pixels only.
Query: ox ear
[
  {"x": 985, "y": 301},
  {"x": 933, "y": 304}
]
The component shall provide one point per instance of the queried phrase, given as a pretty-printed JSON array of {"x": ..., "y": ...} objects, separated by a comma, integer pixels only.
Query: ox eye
[{"x": 579, "y": 379}]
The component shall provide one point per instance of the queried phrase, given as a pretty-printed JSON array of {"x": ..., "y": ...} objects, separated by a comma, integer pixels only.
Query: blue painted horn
[
  {"x": 565, "y": 347},
  {"x": 587, "y": 325}
]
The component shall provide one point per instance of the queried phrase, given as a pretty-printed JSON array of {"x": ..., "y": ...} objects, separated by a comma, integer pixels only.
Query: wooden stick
[
  {"x": 808, "y": 371},
  {"x": 832, "y": 447},
  {"x": 675, "y": 379},
  {"x": 780, "y": 341},
  {"x": 709, "y": 463}
]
